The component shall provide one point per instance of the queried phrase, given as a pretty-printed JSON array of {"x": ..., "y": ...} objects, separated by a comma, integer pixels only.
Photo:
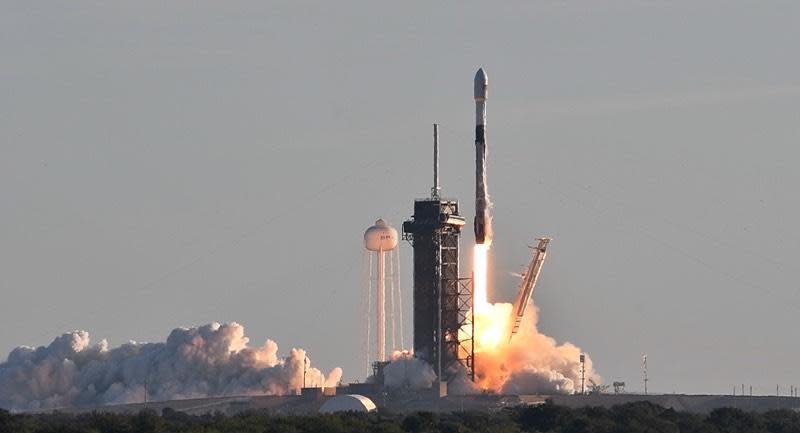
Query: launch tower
[{"x": 443, "y": 325}]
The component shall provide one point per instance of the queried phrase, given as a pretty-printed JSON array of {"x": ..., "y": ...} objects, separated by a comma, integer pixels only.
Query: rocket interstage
[{"x": 483, "y": 229}]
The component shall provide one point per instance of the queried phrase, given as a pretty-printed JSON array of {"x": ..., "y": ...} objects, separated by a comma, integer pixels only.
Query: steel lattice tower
[{"x": 443, "y": 302}]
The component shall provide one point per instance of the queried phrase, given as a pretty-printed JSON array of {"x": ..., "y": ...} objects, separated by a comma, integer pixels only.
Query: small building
[{"x": 317, "y": 393}]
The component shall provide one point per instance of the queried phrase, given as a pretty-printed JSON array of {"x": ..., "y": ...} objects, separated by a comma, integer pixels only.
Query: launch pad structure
[{"x": 443, "y": 301}]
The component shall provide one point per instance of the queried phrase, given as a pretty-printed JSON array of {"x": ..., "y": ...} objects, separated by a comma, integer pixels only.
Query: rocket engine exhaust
[{"x": 483, "y": 223}]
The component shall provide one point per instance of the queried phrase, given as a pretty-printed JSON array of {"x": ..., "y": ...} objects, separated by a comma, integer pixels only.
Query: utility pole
[
  {"x": 583, "y": 372},
  {"x": 644, "y": 372}
]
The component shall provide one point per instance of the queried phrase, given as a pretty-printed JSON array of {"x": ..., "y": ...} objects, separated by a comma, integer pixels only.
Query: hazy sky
[{"x": 169, "y": 164}]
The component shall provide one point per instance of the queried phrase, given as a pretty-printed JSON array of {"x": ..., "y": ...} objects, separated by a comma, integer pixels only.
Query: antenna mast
[{"x": 436, "y": 189}]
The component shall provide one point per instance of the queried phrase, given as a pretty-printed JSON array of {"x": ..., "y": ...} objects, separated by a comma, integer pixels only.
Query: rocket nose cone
[{"x": 481, "y": 84}]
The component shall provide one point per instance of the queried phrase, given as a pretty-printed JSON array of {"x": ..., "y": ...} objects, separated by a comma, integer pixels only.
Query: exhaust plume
[
  {"x": 406, "y": 371},
  {"x": 210, "y": 360},
  {"x": 528, "y": 363}
]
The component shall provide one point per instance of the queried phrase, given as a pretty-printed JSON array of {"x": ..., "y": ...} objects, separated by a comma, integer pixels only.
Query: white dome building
[{"x": 348, "y": 403}]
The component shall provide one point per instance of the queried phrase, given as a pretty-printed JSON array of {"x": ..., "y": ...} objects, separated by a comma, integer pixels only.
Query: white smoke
[
  {"x": 407, "y": 371},
  {"x": 531, "y": 380},
  {"x": 210, "y": 360},
  {"x": 528, "y": 363}
]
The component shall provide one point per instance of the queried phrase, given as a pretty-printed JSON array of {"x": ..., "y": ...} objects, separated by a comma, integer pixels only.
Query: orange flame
[
  {"x": 479, "y": 276},
  {"x": 529, "y": 354},
  {"x": 491, "y": 320}
]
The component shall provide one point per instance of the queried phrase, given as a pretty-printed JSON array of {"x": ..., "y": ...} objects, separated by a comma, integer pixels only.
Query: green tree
[
  {"x": 147, "y": 421},
  {"x": 418, "y": 422},
  {"x": 730, "y": 420},
  {"x": 544, "y": 418}
]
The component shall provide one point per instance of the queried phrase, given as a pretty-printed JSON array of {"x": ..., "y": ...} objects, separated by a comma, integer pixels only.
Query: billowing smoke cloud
[
  {"x": 210, "y": 360},
  {"x": 531, "y": 362},
  {"x": 406, "y": 371}
]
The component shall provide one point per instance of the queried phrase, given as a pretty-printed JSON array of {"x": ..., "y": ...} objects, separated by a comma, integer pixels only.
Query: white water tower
[{"x": 382, "y": 262}]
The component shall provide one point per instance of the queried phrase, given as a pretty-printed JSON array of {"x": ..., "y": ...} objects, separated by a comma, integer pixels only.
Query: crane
[{"x": 528, "y": 283}]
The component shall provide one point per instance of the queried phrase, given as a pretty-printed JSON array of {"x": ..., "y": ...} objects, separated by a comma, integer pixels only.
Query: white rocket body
[{"x": 482, "y": 223}]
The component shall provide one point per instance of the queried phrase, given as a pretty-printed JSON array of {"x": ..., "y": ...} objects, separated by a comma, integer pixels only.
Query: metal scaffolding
[
  {"x": 443, "y": 325},
  {"x": 458, "y": 326}
]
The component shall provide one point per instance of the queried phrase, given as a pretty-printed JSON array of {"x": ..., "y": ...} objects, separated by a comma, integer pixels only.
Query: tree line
[{"x": 627, "y": 418}]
